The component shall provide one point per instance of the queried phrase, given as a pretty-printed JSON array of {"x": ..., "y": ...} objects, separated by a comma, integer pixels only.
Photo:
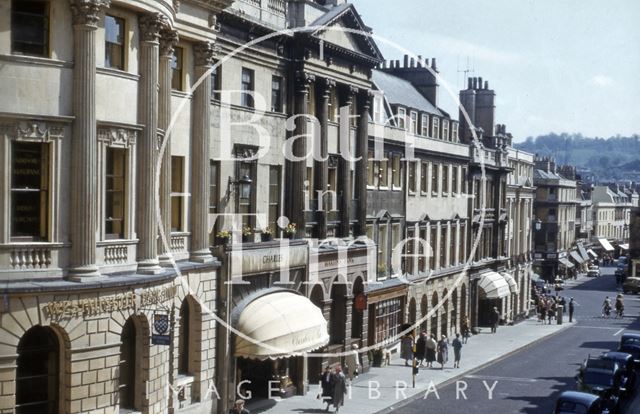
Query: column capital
[
  {"x": 205, "y": 53},
  {"x": 168, "y": 40},
  {"x": 151, "y": 25},
  {"x": 327, "y": 84},
  {"x": 87, "y": 12},
  {"x": 353, "y": 90},
  {"x": 303, "y": 80},
  {"x": 365, "y": 95}
]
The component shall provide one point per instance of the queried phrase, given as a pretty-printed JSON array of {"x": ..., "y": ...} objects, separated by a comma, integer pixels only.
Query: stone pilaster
[
  {"x": 149, "y": 144},
  {"x": 321, "y": 163},
  {"x": 168, "y": 39},
  {"x": 344, "y": 166},
  {"x": 204, "y": 54},
  {"x": 298, "y": 169},
  {"x": 362, "y": 147},
  {"x": 84, "y": 144}
]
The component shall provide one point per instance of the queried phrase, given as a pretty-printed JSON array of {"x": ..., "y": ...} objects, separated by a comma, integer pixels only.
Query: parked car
[
  {"x": 558, "y": 284},
  {"x": 540, "y": 284},
  {"x": 630, "y": 343},
  {"x": 602, "y": 377},
  {"x": 627, "y": 367},
  {"x": 631, "y": 285},
  {"x": 594, "y": 271},
  {"x": 573, "y": 402}
]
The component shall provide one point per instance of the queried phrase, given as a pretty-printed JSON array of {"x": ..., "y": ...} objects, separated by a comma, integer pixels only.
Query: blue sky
[{"x": 556, "y": 65}]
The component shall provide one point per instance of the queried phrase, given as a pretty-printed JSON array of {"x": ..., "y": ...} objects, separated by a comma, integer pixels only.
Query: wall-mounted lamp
[
  {"x": 244, "y": 186},
  {"x": 537, "y": 224}
]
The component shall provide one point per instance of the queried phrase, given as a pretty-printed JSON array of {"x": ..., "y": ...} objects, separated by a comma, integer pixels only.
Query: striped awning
[
  {"x": 583, "y": 252},
  {"x": 606, "y": 245},
  {"x": 513, "y": 285},
  {"x": 494, "y": 286},
  {"x": 576, "y": 256}
]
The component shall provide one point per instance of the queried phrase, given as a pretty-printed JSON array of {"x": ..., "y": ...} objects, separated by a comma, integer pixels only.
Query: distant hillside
[{"x": 611, "y": 158}]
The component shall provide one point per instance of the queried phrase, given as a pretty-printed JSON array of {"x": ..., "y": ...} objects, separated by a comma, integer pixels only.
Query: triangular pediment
[{"x": 343, "y": 27}]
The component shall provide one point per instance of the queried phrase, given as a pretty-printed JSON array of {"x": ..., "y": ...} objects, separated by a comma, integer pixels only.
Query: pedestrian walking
[
  {"x": 495, "y": 319},
  {"x": 238, "y": 408},
  {"x": 421, "y": 348},
  {"x": 430, "y": 353},
  {"x": 619, "y": 306},
  {"x": 339, "y": 388},
  {"x": 406, "y": 349},
  {"x": 572, "y": 308},
  {"x": 443, "y": 351},
  {"x": 456, "y": 344},
  {"x": 466, "y": 329},
  {"x": 606, "y": 307},
  {"x": 552, "y": 310},
  {"x": 326, "y": 386},
  {"x": 352, "y": 360}
]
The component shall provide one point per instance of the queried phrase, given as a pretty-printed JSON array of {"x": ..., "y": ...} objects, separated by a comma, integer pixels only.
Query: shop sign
[
  {"x": 160, "y": 335},
  {"x": 267, "y": 260}
]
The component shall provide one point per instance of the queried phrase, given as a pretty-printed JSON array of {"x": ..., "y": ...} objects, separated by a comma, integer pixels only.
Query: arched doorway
[
  {"x": 357, "y": 316},
  {"x": 412, "y": 311},
  {"x": 184, "y": 339},
  {"x": 434, "y": 315},
  {"x": 338, "y": 315},
  {"x": 444, "y": 318},
  {"x": 455, "y": 323},
  {"x": 128, "y": 357},
  {"x": 463, "y": 302},
  {"x": 38, "y": 372},
  {"x": 315, "y": 363},
  {"x": 424, "y": 307}
]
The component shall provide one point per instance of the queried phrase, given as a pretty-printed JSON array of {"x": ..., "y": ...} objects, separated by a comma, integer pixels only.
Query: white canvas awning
[
  {"x": 279, "y": 325},
  {"x": 624, "y": 246},
  {"x": 592, "y": 254},
  {"x": 513, "y": 285},
  {"x": 606, "y": 245},
  {"x": 493, "y": 285},
  {"x": 576, "y": 256},
  {"x": 583, "y": 252},
  {"x": 566, "y": 263}
]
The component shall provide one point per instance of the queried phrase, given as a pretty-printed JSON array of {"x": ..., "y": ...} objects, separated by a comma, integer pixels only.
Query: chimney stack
[
  {"x": 486, "y": 84},
  {"x": 419, "y": 61},
  {"x": 433, "y": 64},
  {"x": 406, "y": 61},
  {"x": 475, "y": 83},
  {"x": 397, "y": 63}
]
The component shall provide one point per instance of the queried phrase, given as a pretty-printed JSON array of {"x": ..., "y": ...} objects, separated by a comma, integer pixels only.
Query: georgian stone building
[{"x": 143, "y": 147}]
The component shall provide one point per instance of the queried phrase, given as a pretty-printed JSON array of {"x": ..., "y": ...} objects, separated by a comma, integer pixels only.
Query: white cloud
[{"x": 601, "y": 80}]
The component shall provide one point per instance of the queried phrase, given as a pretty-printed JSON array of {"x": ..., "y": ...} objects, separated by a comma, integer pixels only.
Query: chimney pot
[
  {"x": 419, "y": 63},
  {"x": 475, "y": 83},
  {"x": 433, "y": 64},
  {"x": 412, "y": 63},
  {"x": 397, "y": 63},
  {"x": 480, "y": 82},
  {"x": 470, "y": 83},
  {"x": 486, "y": 84},
  {"x": 406, "y": 61}
]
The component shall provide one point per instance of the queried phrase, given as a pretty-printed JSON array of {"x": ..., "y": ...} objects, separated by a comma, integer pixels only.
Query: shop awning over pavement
[
  {"x": 513, "y": 286},
  {"x": 606, "y": 245},
  {"x": 278, "y": 325},
  {"x": 583, "y": 252},
  {"x": 494, "y": 285},
  {"x": 566, "y": 263},
  {"x": 593, "y": 254},
  {"x": 624, "y": 246},
  {"x": 576, "y": 256}
]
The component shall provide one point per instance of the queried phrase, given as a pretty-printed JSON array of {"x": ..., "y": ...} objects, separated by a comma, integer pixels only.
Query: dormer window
[
  {"x": 378, "y": 110},
  {"x": 435, "y": 133},
  {"x": 445, "y": 129},
  {"x": 424, "y": 125},
  {"x": 402, "y": 118},
  {"x": 454, "y": 132},
  {"x": 413, "y": 122}
]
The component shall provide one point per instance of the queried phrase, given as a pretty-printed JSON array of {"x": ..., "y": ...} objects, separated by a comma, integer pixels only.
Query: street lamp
[
  {"x": 244, "y": 186},
  {"x": 537, "y": 224}
]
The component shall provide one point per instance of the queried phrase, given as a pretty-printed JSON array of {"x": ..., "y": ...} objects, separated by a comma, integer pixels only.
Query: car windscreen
[
  {"x": 571, "y": 407},
  {"x": 597, "y": 378}
]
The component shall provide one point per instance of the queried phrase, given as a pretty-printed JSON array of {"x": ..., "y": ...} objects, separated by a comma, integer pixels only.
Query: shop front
[
  {"x": 386, "y": 312},
  {"x": 492, "y": 291},
  {"x": 269, "y": 323}
]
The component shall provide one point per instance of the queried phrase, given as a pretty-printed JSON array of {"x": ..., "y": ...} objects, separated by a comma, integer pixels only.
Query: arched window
[
  {"x": 127, "y": 384},
  {"x": 38, "y": 371},
  {"x": 184, "y": 338}
]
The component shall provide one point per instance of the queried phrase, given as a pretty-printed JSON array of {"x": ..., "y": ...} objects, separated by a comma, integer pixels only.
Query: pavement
[{"x": 386, "y": 388}]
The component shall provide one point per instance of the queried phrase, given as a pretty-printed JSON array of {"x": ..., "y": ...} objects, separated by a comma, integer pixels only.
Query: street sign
[{"x": 160, "y": 335}]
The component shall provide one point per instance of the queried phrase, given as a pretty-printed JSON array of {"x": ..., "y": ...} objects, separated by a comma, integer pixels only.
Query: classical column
[
  {"x": 168, "y": 39},
  {"x": 298, "y": 169},
  {"x": 148, "y": 145},
  {"x": 321, "y": 166},
  {"x": 204, "y": 54},
  {"x": 344, "y": 166},
  {"x": 362, "y": 152},
  {"x": 84, "y": 144}
]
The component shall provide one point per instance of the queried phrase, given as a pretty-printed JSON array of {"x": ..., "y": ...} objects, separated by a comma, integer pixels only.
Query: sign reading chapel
[{"x": 268, "y": 260}]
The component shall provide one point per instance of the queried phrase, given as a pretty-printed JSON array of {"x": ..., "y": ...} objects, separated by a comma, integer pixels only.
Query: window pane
[
  {"x": 30, "y": 28},
  {"x": 247, "y": 87},
  {"x": 176, "y": 66},
  {"x": 213, "y": 187},
  {"x": 276, "y": 94},
  {"x": 115, "y": 193},
  {"x": 114, "y": 42},
  {"x": 29, "y": 195},
  {"x": 177, "y": 193}
]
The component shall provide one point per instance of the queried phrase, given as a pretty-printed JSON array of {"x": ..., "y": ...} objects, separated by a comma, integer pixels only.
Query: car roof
[
  {"x": 577, "y": 396},
  {"x": 617, "y": 356},
  {"x": 632, "y": 278},
  {"x": 629, "y": 335},
  {"x": 606, "y": 365}
]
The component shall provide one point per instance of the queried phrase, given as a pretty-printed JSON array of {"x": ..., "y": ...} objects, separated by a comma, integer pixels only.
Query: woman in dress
[{"x": 443, "y": 351}]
